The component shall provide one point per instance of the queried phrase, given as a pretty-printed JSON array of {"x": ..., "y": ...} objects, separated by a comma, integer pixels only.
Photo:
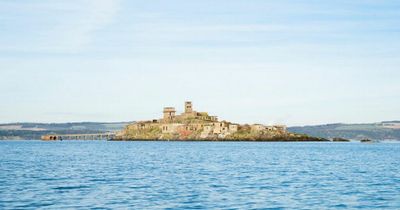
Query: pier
[{"x": 95, "y": 136}]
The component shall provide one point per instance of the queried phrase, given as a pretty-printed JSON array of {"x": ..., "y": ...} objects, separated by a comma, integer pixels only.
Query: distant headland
[{"x": 192, "y": 125}]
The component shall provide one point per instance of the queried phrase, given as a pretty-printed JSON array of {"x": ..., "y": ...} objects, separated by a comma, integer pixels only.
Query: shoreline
[{"x": 212, "y": 140}]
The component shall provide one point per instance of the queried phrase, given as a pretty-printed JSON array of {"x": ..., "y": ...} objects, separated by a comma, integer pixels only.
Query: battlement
[{"x": 169, "y": 109}]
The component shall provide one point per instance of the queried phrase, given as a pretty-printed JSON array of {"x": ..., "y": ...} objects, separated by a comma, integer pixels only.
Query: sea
[{"x": 198, "y": 175}]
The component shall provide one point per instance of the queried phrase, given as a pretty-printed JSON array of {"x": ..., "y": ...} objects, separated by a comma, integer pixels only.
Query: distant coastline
[{"x": 355, "y": 132}]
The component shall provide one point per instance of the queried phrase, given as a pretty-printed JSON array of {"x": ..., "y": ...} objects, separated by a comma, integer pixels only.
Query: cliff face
[{"x": 243, "y": 133}]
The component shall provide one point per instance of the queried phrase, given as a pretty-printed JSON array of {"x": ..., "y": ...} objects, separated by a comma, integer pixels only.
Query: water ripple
[{"x": 198, "y": 175}]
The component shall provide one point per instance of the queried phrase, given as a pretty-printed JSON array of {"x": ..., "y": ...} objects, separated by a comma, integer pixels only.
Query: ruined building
[
  {"x": 194, "y": 124},
  {"x": 189, "y": 114}
]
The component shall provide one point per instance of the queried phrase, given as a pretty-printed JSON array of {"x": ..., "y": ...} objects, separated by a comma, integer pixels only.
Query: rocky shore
[{"x": 243, "y": 134}]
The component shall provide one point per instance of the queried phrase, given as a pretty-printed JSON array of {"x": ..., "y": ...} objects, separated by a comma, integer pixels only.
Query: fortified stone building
[
  {"x": 189, "y": 114},
  {"x": 191, "y": 121}
]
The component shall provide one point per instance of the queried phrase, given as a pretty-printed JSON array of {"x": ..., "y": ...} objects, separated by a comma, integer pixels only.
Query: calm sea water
[{"x": 198, "y": 175}]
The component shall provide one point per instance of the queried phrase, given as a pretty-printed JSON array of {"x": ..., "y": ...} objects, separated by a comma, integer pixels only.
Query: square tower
[
  {"x": 169, "y": 113},
  {"x": 188, "y": 107}
]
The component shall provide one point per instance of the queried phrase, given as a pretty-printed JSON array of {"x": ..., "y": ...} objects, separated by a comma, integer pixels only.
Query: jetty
[{"x": 94, "y": 136}]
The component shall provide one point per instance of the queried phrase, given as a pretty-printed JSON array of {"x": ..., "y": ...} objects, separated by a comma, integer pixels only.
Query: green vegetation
[
  {"x": 145, "y": 134},
  {"x": 244, "y": 133}
]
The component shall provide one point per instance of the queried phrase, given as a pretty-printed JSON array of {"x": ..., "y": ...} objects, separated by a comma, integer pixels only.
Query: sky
[{"x": 293, "y": 62}]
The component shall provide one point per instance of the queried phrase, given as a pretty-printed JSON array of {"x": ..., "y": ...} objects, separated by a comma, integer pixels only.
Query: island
[{"x": 192, "y": 125}]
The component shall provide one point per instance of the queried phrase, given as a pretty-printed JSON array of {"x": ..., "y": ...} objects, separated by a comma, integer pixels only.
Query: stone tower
[
  {"x": 188, "y": 107},
  {"x": 169, "y": 113}
]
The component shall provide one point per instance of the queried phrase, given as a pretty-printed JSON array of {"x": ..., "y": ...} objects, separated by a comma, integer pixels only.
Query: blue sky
[{"x": 292, "y": 62}]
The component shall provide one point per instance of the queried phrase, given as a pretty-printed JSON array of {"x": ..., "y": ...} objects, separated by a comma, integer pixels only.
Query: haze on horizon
[{"x": 292, "y": 62}]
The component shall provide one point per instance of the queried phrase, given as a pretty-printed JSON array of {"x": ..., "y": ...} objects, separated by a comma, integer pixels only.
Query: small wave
[{"x": 71, "y": 187}]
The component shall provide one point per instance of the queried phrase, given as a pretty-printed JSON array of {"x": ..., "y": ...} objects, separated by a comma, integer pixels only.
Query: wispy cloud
[
  {"x": 56, "y": 27},
  {"x": 73, "y": 36}
]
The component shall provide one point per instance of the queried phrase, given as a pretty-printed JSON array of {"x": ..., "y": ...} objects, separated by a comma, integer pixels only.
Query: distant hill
[
  {"x": 387, "y": 130},
  {"x": 33, "y": 131}
]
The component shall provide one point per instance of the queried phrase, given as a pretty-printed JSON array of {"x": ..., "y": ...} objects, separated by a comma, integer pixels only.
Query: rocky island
[{"x": 192, "y": 125}]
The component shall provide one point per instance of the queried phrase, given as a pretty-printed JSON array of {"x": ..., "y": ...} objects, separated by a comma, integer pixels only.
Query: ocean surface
[{"x": 198, "y": 175}]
